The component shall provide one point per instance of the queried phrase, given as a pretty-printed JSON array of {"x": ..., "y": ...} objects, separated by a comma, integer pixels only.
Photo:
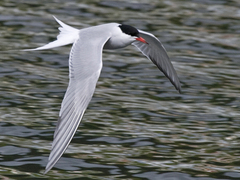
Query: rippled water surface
[{"x": 137, "y": 126}]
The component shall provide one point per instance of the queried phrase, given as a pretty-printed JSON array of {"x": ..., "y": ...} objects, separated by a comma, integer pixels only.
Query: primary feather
[{"x": 156, "y": 52}]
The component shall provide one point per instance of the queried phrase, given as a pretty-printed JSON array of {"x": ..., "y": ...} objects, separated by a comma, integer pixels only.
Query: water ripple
[{"x": 137, "y": 126}]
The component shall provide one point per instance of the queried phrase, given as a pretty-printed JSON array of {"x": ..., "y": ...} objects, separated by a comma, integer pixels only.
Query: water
[{"x": 137, "y": 126}]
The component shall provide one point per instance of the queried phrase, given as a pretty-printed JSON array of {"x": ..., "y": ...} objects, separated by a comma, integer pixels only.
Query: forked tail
[{"x": 67, "y": 35}]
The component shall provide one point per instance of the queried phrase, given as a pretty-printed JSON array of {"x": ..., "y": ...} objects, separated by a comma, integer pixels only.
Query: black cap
[{"x": 132, "y": 31}]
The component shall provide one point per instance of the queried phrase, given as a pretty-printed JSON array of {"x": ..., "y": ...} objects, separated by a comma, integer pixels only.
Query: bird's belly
[{"x": 115, "y": 45}]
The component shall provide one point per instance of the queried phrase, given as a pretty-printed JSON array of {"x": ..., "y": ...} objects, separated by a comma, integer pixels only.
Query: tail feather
[{"x": 67, "y": 35}]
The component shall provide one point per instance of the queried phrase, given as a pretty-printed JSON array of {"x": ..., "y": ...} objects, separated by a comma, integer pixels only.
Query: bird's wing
[
  {"x": 155, "y": 51},
  {"x": 85, "y": 64}
]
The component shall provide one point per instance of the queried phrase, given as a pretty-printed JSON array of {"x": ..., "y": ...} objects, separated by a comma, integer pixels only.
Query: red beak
[{"x": 142, "y": 40}]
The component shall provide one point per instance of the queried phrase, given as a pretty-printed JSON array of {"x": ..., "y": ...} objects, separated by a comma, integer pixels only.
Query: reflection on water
[{"x": 137, "y": 126}]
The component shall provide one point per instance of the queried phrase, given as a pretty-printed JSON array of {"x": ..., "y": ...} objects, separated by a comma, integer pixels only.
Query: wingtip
[
  {"x": 45, "y": 172},
  {"x": 179, "y": 91},
  {"x": 178, "y": 87},
  {"x": 48, "y": 168}
]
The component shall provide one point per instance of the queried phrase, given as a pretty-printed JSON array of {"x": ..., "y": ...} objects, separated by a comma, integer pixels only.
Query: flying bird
[{"x": 85, "y": 64}]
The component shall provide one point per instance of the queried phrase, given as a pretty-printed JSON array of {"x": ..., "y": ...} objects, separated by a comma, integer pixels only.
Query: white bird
[{"x": 85, "y": 64}]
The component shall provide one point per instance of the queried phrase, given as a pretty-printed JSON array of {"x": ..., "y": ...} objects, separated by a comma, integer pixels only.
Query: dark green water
[{"x": 137, "y": 126}]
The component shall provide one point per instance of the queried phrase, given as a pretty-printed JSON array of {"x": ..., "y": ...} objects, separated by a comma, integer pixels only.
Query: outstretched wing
[
  {"x": 85, "y": 64},
  {"x": 155, "y": 51}
]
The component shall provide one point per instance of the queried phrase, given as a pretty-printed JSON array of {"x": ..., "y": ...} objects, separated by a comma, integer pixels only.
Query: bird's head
[{"x": 132, "y": 32}]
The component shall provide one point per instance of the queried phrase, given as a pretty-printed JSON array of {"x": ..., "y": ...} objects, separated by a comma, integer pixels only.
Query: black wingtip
[
  {"x": 179, "y": 91},
  {"x": 177, "y": 86}
]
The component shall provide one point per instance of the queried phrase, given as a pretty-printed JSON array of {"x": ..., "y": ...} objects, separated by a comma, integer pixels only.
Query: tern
[{"x": 85, "y": 64}]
